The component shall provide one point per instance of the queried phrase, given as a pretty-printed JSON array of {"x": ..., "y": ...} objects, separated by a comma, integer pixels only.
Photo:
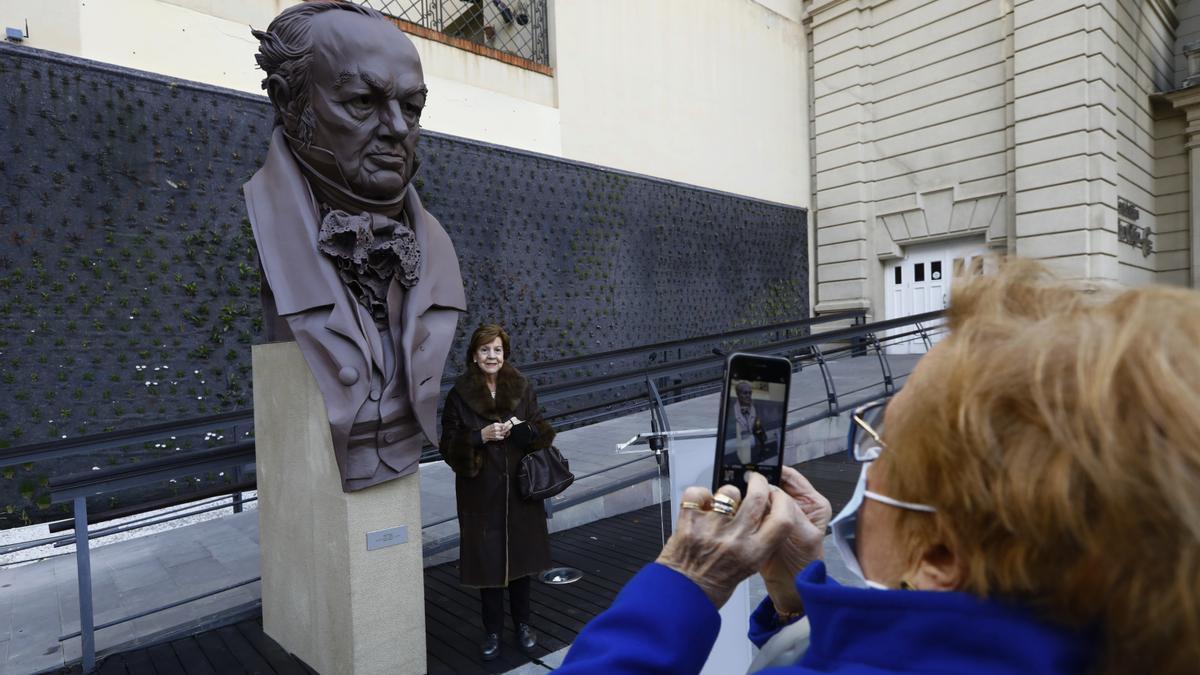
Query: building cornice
[
  {"x": 1187, "y": 100},
  {"x": 824, "y": 10}
]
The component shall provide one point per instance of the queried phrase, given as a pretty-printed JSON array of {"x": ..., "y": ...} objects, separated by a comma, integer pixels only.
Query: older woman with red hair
[
  {"x": 491, "y": 420},
  {"x": 1028, "y": 503}
]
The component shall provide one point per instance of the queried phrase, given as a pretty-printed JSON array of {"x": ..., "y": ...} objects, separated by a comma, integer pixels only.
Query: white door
[{"x": 920, "y": 282}]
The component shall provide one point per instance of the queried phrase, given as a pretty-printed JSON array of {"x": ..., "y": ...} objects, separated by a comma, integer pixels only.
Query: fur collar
[{"x": 510, "y": 389}]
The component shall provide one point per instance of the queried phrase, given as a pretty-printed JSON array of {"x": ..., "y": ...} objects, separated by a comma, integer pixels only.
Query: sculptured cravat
[{"x": 369, "y": 250}]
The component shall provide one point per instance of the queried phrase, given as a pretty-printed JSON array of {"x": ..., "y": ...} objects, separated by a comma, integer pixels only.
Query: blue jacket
[{"x": 661, "y": 622}]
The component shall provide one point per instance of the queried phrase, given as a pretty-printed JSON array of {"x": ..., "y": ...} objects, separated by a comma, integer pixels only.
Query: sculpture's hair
[
  {"x": 483, "y": 335},
  {"x": 1058, "y": 435},
  {"x": 285, "y": 49}
]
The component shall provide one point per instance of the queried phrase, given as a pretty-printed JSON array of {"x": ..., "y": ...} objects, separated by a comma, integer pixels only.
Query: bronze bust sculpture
[{"x": 354, "y": 269}]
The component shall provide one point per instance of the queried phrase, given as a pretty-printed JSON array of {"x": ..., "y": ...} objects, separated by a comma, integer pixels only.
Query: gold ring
[
  {"x": 723, "y": 509},
  {"x": 726, "y": 500},
  {"x": 690, "y": 505}
]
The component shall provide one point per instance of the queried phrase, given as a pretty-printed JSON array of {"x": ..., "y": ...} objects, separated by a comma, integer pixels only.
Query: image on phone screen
[{"x": 753, "y": 426}]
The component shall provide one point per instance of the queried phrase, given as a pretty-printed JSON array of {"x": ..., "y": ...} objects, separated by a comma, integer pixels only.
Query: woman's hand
[
  {"x": 718, "y": 551},
  {"x": 802, "y": 543},
  {"x": 497, "y": 431}
]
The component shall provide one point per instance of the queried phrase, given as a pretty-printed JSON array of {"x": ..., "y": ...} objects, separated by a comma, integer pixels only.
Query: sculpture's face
[
  {"x": 744, "y": 395},
  {"x": 367, "y": 91}
]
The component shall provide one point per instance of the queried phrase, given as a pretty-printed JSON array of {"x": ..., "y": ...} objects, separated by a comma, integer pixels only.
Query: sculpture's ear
[{"x": 280, "y": 94}]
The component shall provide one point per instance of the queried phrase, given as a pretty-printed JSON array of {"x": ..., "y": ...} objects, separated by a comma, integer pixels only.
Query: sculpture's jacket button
[
  {"x": 390, "y": 437},
  {"x": 374, "y": 394},
  {"x": 348, "y": 375}
]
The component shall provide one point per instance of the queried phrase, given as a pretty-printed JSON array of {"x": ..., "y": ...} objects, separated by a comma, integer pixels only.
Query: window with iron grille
[{"x": 516, "y": 27}]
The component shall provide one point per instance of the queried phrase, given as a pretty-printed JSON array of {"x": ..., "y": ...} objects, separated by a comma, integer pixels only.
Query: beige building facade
[
  {"x": 943, "y": 130},
  {"x": 706, "y": 92}
]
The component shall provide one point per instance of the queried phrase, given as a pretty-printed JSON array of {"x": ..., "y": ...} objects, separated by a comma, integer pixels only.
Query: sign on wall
[{"x": 1128, "y": 231}]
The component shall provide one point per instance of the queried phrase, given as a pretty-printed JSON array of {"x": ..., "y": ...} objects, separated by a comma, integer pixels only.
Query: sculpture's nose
[{"x": 393, "y": 127}]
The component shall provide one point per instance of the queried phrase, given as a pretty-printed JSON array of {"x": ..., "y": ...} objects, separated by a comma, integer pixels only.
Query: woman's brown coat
[{"x": 502, "y": 536}]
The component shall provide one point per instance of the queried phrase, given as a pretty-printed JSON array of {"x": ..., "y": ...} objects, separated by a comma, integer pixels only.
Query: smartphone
[{"x": 752, "y": 419}]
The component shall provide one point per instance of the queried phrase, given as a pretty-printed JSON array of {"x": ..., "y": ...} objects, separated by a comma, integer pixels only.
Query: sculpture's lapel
[
  {"x": 283, "y": 214},
  {"x": 430, "y": 313}
]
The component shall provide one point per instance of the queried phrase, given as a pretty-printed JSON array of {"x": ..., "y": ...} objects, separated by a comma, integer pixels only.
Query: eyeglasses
[{"x": 865, "y": 440}]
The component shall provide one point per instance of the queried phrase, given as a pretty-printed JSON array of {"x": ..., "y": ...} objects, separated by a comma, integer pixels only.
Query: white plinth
[
  {"x": 692, "y": 464},
  {"x": 326, "y": 598}
]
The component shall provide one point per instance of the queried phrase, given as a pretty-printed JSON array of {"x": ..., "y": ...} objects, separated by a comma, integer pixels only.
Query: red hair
[{"x": 1058, "y": 435}]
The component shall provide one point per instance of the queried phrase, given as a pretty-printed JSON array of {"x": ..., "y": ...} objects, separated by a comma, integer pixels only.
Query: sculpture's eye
[{"x": 362, "y": 102}]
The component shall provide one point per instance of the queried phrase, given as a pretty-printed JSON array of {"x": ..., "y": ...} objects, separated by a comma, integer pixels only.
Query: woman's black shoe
[
  {"x": 526, "y": 637},
  {"x": 490, "y": 648}
]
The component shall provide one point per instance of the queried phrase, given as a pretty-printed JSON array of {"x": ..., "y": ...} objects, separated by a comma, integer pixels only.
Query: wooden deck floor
[
  {"x": 608, "y": 551},
  {"x": 240, "y": 648}
]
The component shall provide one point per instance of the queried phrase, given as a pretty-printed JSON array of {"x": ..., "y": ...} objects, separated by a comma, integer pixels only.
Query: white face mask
[{"x": 845, "y": 525}]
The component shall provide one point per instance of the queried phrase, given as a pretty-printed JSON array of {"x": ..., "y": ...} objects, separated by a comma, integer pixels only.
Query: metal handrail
[
  {"x": 175, "y": 514},
  {"x": 635, "y": 403},
  {"x": 564, "y": 390},
  {"x": 129, "y": 527},
  {"x": 172, "y": 605},
  {"x": 133, "y": 475},
  {"x": 91, "y": 483},
  {"x": 58, "y": 448},
  {"x": 580, "y": 361},
  {"x": 77, "y": 488},
  {"x": 579, "y": 478},
  {"x": 179, "y": 501},
  {"x": 55, "y": 449}
]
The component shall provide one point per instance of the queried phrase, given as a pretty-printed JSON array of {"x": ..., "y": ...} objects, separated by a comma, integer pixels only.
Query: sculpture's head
[
  {"x": 745, "y": 393},
  {"x": 348, "y": 90}
]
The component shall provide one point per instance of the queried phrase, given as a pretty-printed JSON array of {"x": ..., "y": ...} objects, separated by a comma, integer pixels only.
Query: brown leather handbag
[{"x": 543, "y": 474}]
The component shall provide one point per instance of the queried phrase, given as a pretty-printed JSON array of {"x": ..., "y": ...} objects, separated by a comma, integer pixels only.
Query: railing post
[
  {"x": 237, "y": 472},
  {"x": 889, "y": 384},
  {"x": 860, "y": 344},
  {"x": 827, "y": 378},
  {"x": 664, "y": 382},
  {"x": 924, "y": 336},
  {"x": 677, "y": 391},
  {"x": 237, "y": 496},
  {"x": 83, "y": 570},
  {"x": 658, "y": 444},
  {"x": 658, "y": 420}
]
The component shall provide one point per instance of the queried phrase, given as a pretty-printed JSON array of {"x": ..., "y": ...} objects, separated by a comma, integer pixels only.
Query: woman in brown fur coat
[{"x": 503, "y": 539}]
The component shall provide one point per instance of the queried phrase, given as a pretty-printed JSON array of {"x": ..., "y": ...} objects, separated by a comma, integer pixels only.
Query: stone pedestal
[{"x": 326, "y": 598}]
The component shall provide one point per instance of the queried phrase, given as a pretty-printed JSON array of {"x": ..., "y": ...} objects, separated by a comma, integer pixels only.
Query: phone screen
[{"x": 753, "y": 418}]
